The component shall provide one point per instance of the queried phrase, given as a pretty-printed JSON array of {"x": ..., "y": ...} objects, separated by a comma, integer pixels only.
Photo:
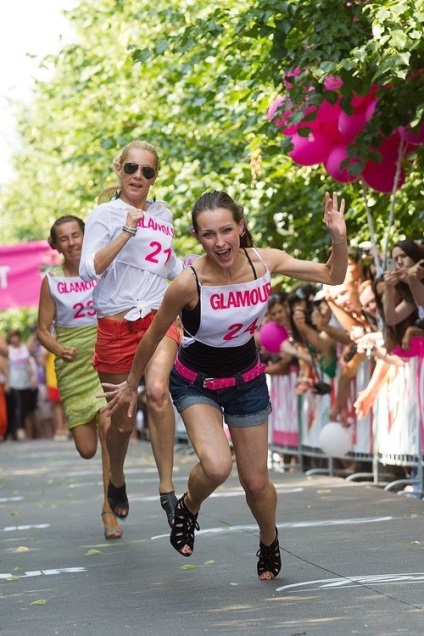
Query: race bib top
[
  {"x": 231, "y": 314},
  {"x": 151, "y": 248},
  {"x": 74, "y": 300}
]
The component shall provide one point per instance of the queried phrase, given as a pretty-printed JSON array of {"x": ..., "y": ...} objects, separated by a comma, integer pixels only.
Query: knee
[
  {"x": 121, "y": 424},
  {"x": 255, "y": 485},
  {"x": 217, "y": 471},
  {"x": 86, "y": 452},
  {"x": 157, "y": 395}
]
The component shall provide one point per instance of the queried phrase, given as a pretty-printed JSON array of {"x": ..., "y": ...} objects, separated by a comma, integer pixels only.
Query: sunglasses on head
[{"x": 147, "y": 171}]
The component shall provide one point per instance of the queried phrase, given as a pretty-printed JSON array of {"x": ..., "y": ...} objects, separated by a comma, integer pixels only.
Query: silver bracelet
[
  {"x": 129, "y": 229},
  {"x": 339, "y": 242}
]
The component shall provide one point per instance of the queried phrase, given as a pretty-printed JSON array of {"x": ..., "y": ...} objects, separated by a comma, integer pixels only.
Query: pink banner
[{"x": 21, "y": 272}]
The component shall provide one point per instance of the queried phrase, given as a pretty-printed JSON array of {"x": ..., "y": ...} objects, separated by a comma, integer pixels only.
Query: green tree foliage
[{"x": 196, "y": 79}]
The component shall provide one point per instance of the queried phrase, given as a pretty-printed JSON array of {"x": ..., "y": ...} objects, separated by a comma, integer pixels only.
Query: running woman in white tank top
[{"x": 221, "y": 299}]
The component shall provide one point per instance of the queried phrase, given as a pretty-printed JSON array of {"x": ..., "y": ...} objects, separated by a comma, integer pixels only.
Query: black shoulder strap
[
  {"x": 197, "y": 279},
  {"x": 250, "y": 263}
]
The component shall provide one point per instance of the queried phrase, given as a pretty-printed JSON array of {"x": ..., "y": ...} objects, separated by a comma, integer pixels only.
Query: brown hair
[
  {"x": 216, "y": 199},
  {"x": 67, "y": 218}
]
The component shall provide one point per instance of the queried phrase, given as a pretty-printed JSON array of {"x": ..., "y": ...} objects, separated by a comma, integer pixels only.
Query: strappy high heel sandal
[
  {"x": 168, "y": 501},
  {"x": 111, "y": 532},
  {"x": 269, "y": 558},
  {"x": 182, "y": 532},
  {"x": 117, "y": 498}
]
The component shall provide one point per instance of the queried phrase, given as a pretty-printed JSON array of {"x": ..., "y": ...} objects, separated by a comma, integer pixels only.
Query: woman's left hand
[
  {"x": 334, "y": 218},
  {"x": 117, "y": 395}
]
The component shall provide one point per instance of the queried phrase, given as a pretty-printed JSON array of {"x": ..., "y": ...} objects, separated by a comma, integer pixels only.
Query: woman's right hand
[
  {"x": 68, "y": 354},
  {"x": 133, "y": 217},
  {"x": 117, "y": 395},
  {"x": 391, "y": 278}
]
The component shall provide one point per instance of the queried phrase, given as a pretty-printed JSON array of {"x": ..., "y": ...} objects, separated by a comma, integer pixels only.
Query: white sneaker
[{"x": 20, "y": 434}]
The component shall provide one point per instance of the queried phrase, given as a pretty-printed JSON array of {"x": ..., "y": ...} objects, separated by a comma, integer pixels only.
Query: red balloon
[
  {"x": 336, "y": 156},
  {"x": 381, "y": 176},
  {"x": 310, "y": 150},
  {"x": 412, "y": 137},
  {"x": 389, "y": 148},
  {"x": 271, "y": 335}
]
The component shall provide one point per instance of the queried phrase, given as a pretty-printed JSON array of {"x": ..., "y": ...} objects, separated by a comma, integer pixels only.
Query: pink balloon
[
  {"x": 416, "y": 348},
  {"x": 412, "y": 137},
  {"x": 351, "y": 125},
  {"x": 271, "y": 335},
  {"x": 381, "y": 176},
  {"x": 326, "y": 122},
  {"x": 293, "y": 128},
  {"x": 310, "y": 150},
  {"x": 370, "y": 109},
  {"x": 332, "y": 165}
]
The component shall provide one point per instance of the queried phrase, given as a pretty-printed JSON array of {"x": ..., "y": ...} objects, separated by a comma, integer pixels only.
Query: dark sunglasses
[{"x": 147, "y": 171}]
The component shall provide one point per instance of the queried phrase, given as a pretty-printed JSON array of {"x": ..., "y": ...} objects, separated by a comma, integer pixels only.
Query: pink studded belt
[{"x": 215, "y": 384}]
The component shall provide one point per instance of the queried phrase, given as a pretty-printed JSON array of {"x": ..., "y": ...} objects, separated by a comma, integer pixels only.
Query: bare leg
[
  {"x": 161, "y": 412},
  {"x": 251, "y": 451},
  {"x": 111, "y": 524},
  {"x": 204, "y": 428},
  {"x": 118, "y": 435},
  {"x": 85, "y": 438}
]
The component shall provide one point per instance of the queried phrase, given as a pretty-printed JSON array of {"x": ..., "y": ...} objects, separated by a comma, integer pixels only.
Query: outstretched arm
[
  {"x": 332, "y": 272},
  {"x": 179, "y": 294}
]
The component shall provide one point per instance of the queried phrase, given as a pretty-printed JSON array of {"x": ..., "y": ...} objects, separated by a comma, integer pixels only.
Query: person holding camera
[
  {"x": 310, "y": 324},
  {"x": 403, "y": 291}
]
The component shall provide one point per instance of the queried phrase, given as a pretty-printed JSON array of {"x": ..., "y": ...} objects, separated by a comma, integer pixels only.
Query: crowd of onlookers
[{"x": 377, "y": 313}]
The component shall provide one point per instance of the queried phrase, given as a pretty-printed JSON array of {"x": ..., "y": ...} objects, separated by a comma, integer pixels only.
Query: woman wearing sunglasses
[
  {"x": 127, "y": 249},
  {"x": 222, "y": 299}
]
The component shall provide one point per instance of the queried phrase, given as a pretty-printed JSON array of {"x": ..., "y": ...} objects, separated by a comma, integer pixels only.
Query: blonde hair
[{"x": 120, "y": 159}]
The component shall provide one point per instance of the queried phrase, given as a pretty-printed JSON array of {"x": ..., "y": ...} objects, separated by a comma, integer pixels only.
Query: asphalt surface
[{"x": 353, "y": 555}]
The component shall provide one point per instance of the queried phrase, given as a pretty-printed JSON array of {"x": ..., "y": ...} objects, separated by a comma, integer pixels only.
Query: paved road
[{"x": 353, "y": 555}]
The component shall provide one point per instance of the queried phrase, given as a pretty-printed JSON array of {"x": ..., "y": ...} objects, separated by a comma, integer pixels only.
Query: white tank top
[
  {"x": 231, "y": 314},
  {"x": 151, "y": 247},
  {"x": 73, "y": 299}
]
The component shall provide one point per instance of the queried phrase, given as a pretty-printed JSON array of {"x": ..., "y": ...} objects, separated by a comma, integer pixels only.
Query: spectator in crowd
[
  {"x": 4, "y": 380},
  {"x": 127, "y": 251},
  {"x": 401, "y": 308},
  {"x": 278, "y": 363},
  {"x": 22, "y": 383},
  {"x": 299, "y": 304}
]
